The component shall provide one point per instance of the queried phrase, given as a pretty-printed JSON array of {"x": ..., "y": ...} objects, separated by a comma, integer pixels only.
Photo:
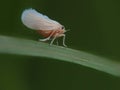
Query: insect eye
[{"x": 63, "y": 27}]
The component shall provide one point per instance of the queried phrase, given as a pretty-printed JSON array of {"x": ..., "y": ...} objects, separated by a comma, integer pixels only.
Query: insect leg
[
  {"x": 64, "y": 40},
  {"x": 45, "y": 39},
  {"x": 53, "y": 39}
]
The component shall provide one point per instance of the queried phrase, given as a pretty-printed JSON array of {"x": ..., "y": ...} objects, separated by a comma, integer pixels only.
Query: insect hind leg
[{"x": 45, "y": 39}]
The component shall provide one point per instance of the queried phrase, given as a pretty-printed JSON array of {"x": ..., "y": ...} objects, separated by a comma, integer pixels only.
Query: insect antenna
[{"x": 67, "y": 30}]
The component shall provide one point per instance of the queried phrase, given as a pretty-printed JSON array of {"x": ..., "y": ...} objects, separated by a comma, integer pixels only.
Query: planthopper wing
[{"x": 37, "y": 21}]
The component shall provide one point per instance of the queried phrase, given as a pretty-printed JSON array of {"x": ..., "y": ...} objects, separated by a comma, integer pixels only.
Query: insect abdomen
[{"x": 45, "y": 33}]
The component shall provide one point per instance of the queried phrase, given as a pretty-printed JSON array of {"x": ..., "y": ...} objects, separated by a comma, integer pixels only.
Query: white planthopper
[{"x": 45, "y": 26}]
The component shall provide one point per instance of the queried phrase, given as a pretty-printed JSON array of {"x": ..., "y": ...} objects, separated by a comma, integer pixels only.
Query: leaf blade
[{"x": 19, "y": 46}]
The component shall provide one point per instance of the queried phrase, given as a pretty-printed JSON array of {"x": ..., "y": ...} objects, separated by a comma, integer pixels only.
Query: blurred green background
[{"x": 94, "y": 27}]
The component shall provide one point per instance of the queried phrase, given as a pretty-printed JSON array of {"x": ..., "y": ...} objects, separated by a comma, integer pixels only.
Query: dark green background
[{"x": 94, "y": 27}]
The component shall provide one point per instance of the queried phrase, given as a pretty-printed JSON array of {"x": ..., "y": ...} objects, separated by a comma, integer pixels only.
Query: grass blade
[{"x": 19, "y": 46}]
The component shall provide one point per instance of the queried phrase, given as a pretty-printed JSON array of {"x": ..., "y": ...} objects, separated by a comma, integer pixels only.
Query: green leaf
[{"x": 19, "y": 46}]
